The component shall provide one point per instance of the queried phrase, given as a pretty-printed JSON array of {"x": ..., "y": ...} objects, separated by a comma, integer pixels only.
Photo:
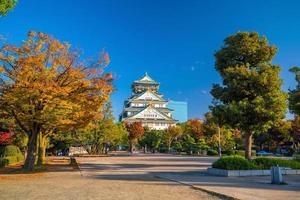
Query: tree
[
  {"x": 6, "y": 6},
  {"x": 45, "y": 87},
  {"x": 105, "y": 132},
  {"x": 294, "y": 95},
  {"x": 152, "y": 139},
  {"x": 5, "y": 138},
  {"x": 194, "y": 127},
  {"x": 250, "y": 98},
  {"x": 296, "y": 131},
  {"x": 171, "y": 134},
  {"x": 122, "y": 139},
  {"x": 20, "y": 139},
  {"x": 188, "y": 143},
  {"x": 279, "y": 133},
  {"x": 222, "y": 137},
  {"x": 135, "y": 132}
]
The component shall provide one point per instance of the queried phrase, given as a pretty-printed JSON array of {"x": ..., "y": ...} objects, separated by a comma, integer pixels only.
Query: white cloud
[{"x": 203, "y": 91}]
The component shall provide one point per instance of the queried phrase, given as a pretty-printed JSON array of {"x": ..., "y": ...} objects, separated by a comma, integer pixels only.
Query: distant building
[
  {"x": 147, "y": 106},
  {"x": 180, "y": 112}
]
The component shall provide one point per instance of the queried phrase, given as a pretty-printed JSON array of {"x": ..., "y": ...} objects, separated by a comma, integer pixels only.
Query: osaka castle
[{"x": 147, "y": 106}]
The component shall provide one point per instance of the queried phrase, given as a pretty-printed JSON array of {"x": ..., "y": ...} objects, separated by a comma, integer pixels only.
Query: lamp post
[{"x": 219, "y": 140}]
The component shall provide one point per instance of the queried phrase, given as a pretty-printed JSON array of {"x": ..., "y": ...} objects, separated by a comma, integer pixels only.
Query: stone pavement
[
  {"x": 189, "y": 171},
  {"x": 246, "y": 188},
  {"x": 146, "y": 177},
  {"x": 134, "y": 177},
  {"x": 100, "y": 178}
]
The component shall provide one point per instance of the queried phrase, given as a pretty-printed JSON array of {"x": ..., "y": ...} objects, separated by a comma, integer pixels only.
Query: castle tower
[{"x": 146, "y": 105}]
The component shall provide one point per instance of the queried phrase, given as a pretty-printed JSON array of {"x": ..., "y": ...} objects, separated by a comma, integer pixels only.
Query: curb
[
  {"x": 220, "y": 195},
  {"x": 217, "y": 194}
]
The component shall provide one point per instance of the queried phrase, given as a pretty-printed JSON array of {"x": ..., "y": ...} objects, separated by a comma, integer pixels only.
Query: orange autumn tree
[
  {"x": 135, "y": 132},
  {"x": 194, "y": 127},
  {"x": 46, "y": 87}
]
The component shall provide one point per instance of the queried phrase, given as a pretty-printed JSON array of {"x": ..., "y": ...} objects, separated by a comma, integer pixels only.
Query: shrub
[
  {"x": 233, "y": 163},
  {"x": 3, "y": 162},
  {"x": 8, "y": 160},
  {"x": 9, "y": 155},
  {"x": 11, "y": 150},
  {"x": 242, "y": 152},
  {"x": 212, "y": 152},
  {"x": 240, "y": 163},
  {"x": 296, "y": 157},
  {"x": 2, "y": 149},
  {"x": 163, "y": 149},
  {"x": 267, "y": 163},
  {"x": 229, "y": 152}
]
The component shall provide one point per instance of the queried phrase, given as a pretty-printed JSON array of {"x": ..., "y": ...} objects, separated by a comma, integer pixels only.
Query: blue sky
[{"x": 173, "y": 40}]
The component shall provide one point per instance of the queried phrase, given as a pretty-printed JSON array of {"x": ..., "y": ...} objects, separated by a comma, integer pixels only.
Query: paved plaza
[
  {"x": 142, "y": 177},
  {"x": 189, "y": 171},
  {"x": 105, "y": 178}
]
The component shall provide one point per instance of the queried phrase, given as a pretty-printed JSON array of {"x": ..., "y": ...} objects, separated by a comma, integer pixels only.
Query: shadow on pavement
[{"x": 203, "y": 180}]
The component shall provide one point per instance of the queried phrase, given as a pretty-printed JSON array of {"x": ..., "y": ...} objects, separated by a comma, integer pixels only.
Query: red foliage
[
  {"x": 135, "y": 130},
  {"x": 5, "y": 138}
]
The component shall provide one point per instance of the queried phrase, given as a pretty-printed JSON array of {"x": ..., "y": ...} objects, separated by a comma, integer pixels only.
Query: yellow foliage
[{"x": 47, "y": 87}]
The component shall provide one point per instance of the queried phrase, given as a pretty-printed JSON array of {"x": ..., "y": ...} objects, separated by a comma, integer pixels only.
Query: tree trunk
[
  {"x": 169, "y": 147},
  {"x": 41, "y": 149},
  {"x": 31, "y": 152},
  {"x": 248, "y": 145},
  {"x": 106, "y": 148},
  {"x": 130, "y": 146}
]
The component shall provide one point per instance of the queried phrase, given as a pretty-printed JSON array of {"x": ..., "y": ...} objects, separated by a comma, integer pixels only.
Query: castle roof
[
  {"x": 146, "y": 80},
  {"x": 151, "y": 109},
  {"x": 137, "y": 109},
  {"x": 147, "y": 93}
]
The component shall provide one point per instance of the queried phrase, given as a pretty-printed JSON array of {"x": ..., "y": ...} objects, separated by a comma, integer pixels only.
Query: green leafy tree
[
  {"x": 278, "y": 134},
  {"x": 122, "y": 139},
  {"x": 106, "y": 133},
  {"x": 294, "y": 95},
  {"x": 201, "y": 144},
  {"x": 250, "y": 98},
  {"x": 226, "y": 139},
  {"x": 152, "y": 139},
  {"x": 6, "y": 6},
  {"x": 188, "y": 143}
]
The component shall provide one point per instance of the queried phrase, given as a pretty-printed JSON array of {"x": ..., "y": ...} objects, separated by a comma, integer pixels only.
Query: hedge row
[
  {"x": 237, "y": 152},
  {"x": 240, "y": 163},
  {"x": 233, "y": 163},
  {"x": 267, "y": 163},
  {"x": 9, "y": 155}
]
